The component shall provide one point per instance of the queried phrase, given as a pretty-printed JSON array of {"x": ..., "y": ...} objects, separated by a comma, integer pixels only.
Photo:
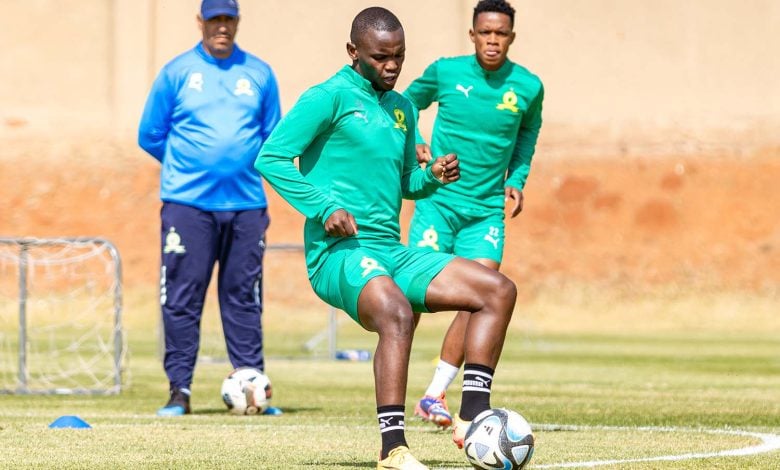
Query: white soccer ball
[
  {"x": 499, "y": 438},
  {"x": 246, "y": 391}
]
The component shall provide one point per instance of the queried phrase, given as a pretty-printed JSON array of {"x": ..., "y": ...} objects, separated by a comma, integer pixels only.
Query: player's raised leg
[
  {"x": 490, "y": 297},
  {"x": 433, "y": 405}
]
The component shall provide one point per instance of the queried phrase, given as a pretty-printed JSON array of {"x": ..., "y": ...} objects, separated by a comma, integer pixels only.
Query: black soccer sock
[
  {"x": 477, "y": 380},
  {"x": 391, "y": 426}
]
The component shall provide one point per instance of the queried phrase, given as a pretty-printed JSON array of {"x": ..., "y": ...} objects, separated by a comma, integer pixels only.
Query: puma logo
[
  {"x": 477, "y": 382},
  {"x": 493, "y": 236},
  {"x": 485, "y": 382},
  {"x": 492, "y": 240},
  {"x": 463, "y": 89}
]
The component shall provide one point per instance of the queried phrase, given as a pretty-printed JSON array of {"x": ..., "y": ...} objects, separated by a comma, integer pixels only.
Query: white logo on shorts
[
  {"x": 173, "y": 242},
  {"x": 430, "y": 239},
  {"x": 492, "y": 236},
  {"x": 196, "y": 81},
  {"x": 370, "y": 264}
]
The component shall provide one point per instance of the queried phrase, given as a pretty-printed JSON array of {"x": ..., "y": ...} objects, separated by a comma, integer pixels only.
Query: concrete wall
[{"x": 622, "y": 76}]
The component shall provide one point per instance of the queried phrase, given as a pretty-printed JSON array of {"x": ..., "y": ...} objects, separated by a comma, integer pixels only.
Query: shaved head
[{"x": 373, "y": 19}]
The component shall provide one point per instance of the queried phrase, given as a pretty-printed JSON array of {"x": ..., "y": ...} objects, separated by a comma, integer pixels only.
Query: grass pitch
[{"x": 642, "y": 393}]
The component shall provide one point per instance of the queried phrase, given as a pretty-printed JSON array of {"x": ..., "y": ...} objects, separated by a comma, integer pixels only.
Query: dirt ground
[{"x": 706, "y": 221}]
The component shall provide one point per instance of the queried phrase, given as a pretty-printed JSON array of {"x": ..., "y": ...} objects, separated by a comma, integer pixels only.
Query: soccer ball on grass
[
  {"x": 499, "y": 438},
  {"x": 246, "y": 391}
]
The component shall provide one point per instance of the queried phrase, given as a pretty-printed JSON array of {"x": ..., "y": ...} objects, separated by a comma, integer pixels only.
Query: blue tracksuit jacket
[{"x": 205, "y": 121}]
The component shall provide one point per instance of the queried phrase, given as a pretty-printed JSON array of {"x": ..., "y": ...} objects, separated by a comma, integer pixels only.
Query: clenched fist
[{"x": 447, "y": 168}]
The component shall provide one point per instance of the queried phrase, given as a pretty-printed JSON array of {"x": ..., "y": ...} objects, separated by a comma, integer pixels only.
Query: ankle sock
[
  {"x": 477, "y": 380},
  {"x": 391, "y": 427},
  {"x": 442, "y": 378}
]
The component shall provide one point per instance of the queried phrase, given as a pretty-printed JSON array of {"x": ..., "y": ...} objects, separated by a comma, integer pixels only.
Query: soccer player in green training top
[
  {"x": 354, "y": 138},
  {"x": 490, "y": 112}
]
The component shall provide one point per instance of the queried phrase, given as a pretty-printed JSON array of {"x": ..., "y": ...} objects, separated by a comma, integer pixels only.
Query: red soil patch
[{"x": 694, "y": 221}]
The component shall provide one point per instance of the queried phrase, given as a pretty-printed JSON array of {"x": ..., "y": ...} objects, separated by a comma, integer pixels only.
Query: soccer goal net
[{"x": 60, "y": 316}]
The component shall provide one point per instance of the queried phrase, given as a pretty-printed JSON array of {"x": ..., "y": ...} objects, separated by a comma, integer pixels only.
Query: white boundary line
[{"x": 769, "y": 443}]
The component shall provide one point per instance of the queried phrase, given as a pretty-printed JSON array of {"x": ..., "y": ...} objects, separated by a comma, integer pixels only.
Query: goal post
[{"x": 60, "y": 316}]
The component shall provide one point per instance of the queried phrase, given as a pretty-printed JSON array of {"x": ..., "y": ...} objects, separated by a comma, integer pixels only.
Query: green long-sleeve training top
[
  {"x": 357, "y": 152},
  {"x": 491, "y": 120}
]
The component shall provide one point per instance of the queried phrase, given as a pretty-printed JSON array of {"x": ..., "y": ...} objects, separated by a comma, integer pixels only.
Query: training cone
[
  {"x": 273, "y": 411},
  {"x": 70, "y": 422}
]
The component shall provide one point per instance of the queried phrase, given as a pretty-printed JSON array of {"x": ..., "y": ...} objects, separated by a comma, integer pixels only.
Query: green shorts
[
  {"x": 352, "y": 263},
  {"x": 463, "y": 232}
]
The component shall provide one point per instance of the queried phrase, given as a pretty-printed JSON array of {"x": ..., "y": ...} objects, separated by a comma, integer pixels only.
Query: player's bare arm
[
  {"x": 341, "y": 224},
  {"x": 515, "y": 195},
  {"x": 447, "y": 168}
]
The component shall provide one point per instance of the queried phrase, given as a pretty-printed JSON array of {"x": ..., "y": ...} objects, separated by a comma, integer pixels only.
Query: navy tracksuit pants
[{"x": 192, "y": 241}]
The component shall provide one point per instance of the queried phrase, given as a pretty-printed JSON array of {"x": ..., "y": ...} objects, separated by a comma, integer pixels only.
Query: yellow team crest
[
  {"x": 400, "y": 119},
  {"x": 430, "y": 238},
  {"x": 509, "y": 101}
]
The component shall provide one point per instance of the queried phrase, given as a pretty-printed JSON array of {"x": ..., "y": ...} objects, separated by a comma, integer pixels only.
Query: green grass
[{"x": 591, "y": 394}]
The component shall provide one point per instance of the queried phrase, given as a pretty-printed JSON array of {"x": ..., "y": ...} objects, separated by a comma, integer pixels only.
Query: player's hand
[
  {"x": 423, "y": 153},
  {"x": 517, "y": 196},
  {"x": 341, "y": 224},
  {"x": 447, "y": 168}
]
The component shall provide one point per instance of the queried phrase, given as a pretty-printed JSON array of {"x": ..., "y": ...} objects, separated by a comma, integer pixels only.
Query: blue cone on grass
[
  {"x": 273, "y": 411},
  {"x": 69, "y": 421}
]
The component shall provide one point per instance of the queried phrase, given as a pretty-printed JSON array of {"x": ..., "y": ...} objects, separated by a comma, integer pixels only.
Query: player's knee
[
  {"x": 503, "y": 290},
  {"x": 403, "y": 321},
  {"x": 397, "y": 322}
]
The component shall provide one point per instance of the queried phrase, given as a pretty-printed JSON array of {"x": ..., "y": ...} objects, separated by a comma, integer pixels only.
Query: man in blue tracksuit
[{"x": 208, "y": 113}]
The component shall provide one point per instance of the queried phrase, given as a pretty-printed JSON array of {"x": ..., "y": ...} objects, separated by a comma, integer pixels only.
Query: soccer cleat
[
  {"x": 459, "y": 429},
  {"x": 400, "y": 459},
  {"x": 178, "y": 404},
  {"x": 434, "y": 410}
]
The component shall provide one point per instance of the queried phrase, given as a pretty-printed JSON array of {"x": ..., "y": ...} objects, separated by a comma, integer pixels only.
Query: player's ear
[
  {"x": 512, "y": 37},
  {"x": 352, "y": 51},
  {"x": 471, "y": 34},
  {"x": 200, "y": 22}
]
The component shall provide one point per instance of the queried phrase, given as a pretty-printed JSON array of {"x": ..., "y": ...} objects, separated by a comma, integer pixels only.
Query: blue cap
[{"x": 211, "y": 8}]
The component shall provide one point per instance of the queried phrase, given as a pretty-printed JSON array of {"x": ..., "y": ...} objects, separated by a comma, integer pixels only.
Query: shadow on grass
[
  {"x": 366, "y": 464},
  {"x": 287, "y": 410},
  {"x": 429, "y": 463}
]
